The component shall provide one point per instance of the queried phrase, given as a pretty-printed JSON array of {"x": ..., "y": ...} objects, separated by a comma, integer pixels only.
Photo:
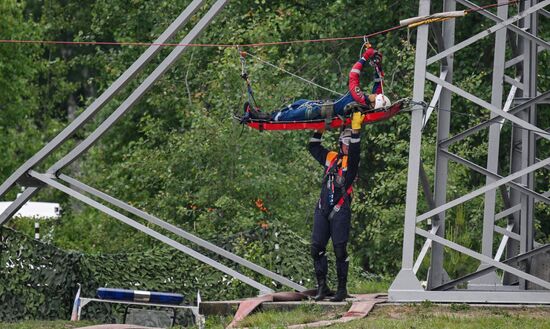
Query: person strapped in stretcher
[{"x": 305, "y": 110}]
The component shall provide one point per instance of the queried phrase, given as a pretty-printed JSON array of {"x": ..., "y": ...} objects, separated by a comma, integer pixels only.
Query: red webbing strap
[
  {"x": 338, "y": 206},
  {"x": 341, "y": 201}
]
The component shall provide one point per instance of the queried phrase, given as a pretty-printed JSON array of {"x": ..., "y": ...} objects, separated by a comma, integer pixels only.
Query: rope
[
  {"x": 259, "y": 44},
  {"x": 292, "y": 74}
]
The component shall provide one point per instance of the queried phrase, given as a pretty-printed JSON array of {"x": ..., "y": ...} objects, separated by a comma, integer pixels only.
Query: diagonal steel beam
[
  {"x": 431, "y": 203},
  {"x": 140, "y": 90},
  {"x": 486, "y": 172},
  {"x": 482, "y": 190},
  {"x": 424, "y": 251},
  {"x": 515, "y": 236},
  {"x": 489, "y": 31},
  {"x": 513, "y": 82},
  {"x": 511, "y": 27},
  {"x": 509, "y": 102},
  {"x": 180, "y": 232},
  {"x": 426, "y": 188},
  {"x": 507, "y": 212},
  {"x": 483, "y": 258},
  {"x": 489, "y": 269},
  {"x": 435, "y": 99},
  {"x": 46, "y": 178},
  {"x": 518, "y": 59},
  {"x": 547, "y": 131},
  {"x": 494, "y": 120},
  {"x": 107, "y": 95},
  {"x": 14, "y": 207},
  {"x": 504, "y": 241},
  {"x": 488, "y": 106},
  {"x": 538, "y": 160}
]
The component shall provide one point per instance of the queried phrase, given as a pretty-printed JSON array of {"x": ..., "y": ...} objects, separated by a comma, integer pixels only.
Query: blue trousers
[{"x": 305, "y": 109}]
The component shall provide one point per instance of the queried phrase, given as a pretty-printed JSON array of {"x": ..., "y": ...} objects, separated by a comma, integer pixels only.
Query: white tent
[{"x": 37, "y": 210}]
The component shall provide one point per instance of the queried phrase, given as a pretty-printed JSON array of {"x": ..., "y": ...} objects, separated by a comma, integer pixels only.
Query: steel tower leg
[
  {"x": 437, "y": 274},
  {"x": 406, "y": 279},
  {"x": 491, "y": 278}
]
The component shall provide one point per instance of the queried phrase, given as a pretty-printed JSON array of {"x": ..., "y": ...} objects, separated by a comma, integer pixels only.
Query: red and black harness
[{"x": 333, "y": 173}]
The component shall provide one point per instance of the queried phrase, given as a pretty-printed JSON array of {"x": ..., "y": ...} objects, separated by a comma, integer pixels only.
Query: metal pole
[
  {"x": 36, "y": 230},
  {"x": 530, "y": 69},
  {"x": 437, "y": 274},
  {"x": 406, "y": 279},
  {"x": 493, "y": 148}
]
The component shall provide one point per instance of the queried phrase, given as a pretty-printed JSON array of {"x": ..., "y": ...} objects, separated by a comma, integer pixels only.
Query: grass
[
  {"x": 417, "y": 316},
  {"x": 44, "y": 324},
  {"x": 369, "y": 286},
  {"x": 454, "y": 316},
  {"x": 412, "y": 316},
  {"x": 304, "y": 314},
  {"x": 277, "y": 319}
]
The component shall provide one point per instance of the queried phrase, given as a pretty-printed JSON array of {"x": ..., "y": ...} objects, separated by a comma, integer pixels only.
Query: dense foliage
[
  {"x": 39, "y": 281},
  {"x": 179, "y": 155}
]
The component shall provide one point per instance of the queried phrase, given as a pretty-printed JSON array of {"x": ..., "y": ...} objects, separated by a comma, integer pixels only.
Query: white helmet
[{"x": 381, "y": 101}]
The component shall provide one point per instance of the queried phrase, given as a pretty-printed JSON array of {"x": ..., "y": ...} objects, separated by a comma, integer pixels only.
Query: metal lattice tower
[
  {"x": 33, "y": 181},
  {"x": 517, "y": 271}
]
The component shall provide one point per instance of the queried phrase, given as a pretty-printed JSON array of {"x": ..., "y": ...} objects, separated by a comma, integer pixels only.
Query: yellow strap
[
  {"x": 427, "y": 21},
  {"x": 430, "y": 21}
]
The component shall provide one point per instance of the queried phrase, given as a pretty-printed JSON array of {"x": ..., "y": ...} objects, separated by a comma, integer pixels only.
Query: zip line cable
[
  {"x": 292, "y": 74},
  {"x": 427, "y": 20}
]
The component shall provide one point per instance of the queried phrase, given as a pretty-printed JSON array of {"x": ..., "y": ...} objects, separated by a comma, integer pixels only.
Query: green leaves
[{"x": 39, "y": 281}]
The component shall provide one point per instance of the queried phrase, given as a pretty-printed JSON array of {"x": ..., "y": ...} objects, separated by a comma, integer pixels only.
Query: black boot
[
  {"x": 255, "y": 113},
  {"x": 342, "y": 272},
  {"x": 321, "y": 268},
  {"x": 322, "y": 289},
  {"x": 341, "y": 293}
]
